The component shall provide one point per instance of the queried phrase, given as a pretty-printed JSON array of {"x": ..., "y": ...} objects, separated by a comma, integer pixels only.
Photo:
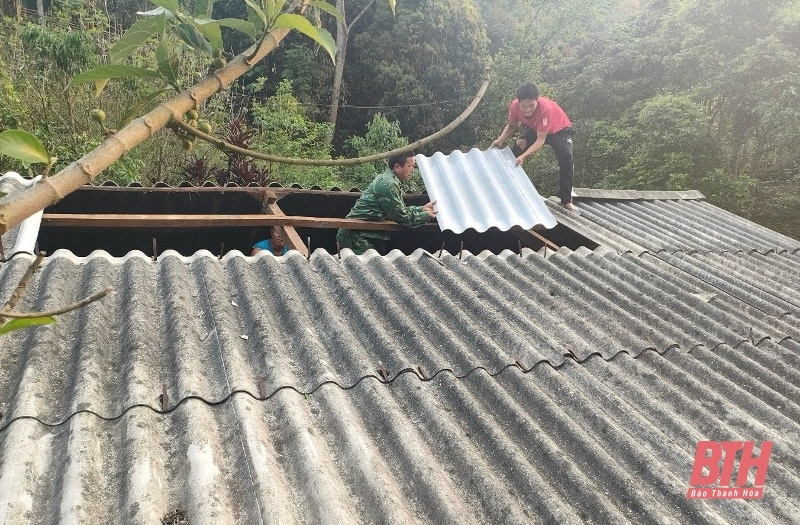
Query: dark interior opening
[{"x": 226, "y": 201}]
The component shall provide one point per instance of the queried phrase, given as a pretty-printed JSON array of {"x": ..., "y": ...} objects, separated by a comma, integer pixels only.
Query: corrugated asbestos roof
[
  {"x": 482, "y": 190},
  {"x": 673, "y": 225},
  {"x": 548, "y": 387}
]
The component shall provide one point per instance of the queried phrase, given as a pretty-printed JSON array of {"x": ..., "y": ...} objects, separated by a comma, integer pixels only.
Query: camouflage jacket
[{"x": 382, "y": 200}]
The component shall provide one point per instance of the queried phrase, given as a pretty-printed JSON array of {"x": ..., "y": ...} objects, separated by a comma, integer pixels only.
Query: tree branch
[
  {"x": 59, "y": 311},
  {"x": 177, "y": 123},
  {"x": 23, "y": 283},
  {"x": 15, "y": 209}
]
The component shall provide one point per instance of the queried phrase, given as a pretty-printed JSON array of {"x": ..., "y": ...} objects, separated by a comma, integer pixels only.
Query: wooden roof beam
[{"x": 177, "y": 222}]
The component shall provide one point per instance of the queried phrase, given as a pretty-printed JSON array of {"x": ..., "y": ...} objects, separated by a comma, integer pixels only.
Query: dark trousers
[{"x": 561, "y": 143}]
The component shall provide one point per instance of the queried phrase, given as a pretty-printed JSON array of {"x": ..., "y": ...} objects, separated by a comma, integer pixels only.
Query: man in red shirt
[{"x": 543, "y": 122}]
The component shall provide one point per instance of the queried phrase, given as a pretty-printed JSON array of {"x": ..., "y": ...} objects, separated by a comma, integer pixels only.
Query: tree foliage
[
  {"x": 676, "y": 94},
  {"x": 730, "y": 66},
  {"x": 418, "y": 67}
]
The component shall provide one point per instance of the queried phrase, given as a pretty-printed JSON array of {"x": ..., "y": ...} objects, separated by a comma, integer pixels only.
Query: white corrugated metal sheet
[{"x": 482, "y": 190}]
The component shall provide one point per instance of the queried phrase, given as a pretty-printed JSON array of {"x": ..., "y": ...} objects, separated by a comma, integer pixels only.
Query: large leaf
[
  {"x": 169, "y": 5},
  {"x": 158, "y": 11},
  {"x": 328, "y": 8},
  {"x": 167, "y": 63},
  {"x": 23, "y": 146},
  {"x": 193, "y": 38},
  {"x": 210, "y": 30},
  {"x": 272, "y": 8},
  {"x": 203, "y": 8},
  {"x": 141, "y": 31},
  {"x": 248, "y": 28},
  {"x": 16, "y": 324},
  {"x": 319, "y": 35},
  {"x": 113, "y": 71},
  {"x": 255, "y": 15}
]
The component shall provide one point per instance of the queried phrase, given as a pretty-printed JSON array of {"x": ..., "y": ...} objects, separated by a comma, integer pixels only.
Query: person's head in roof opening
[
  {"x": 403, "y": 164},
  {"x": 276, "y": 239}
]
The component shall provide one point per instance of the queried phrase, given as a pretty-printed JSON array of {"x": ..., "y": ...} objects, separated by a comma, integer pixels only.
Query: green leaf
[
  {"x": 328, "y": 8},
  {"x": 260, "y": 16},
  {"x": 113, "y": 71},
  {"x": 169, "y": 5},
  {"x": 210, "y": 30},
  {"x": 193, "y": 38},
  {"x": 319, "y": 35},
  {"x": 203, "y": 8},
  {"x": 273, "y": 8},
  {"x": 23, "y": 146},
  {"x": 158, "y": 11},
  {"x": 141, "y": 31},
  {"x": 393, "y": 4},
  {"x": 16, "y": 324},
  {"x": 167, "y": 63},
  {"x": 140, "y": 106},
  {"x": 248, "y": 28}
]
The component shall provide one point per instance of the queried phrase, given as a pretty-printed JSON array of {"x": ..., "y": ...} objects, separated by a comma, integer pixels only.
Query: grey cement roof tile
[
  {"x": 598, "y": 442},
  {"x": 679, "y": 225},
  {"x": 609, "y": 438}
]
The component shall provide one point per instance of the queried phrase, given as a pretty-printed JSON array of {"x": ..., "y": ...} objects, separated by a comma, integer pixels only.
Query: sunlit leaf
[
  {"x": 141, "y": 31},
  {"x": 273, "y": 8},
  {"x": 113, "y": 71},
  {"x": 158, "y": 11},
  {"x": 23, "y": 146},
  {"x": 248, "y": 28},
  {"x": 328, "y": 8},
  {"x": 319, "y": 35},
  {"x": 193, "y": 38},
  {"x": 17, "y": 324},
  {"x": 259, "y": 15},
  {"x": 210, "y": 30}
]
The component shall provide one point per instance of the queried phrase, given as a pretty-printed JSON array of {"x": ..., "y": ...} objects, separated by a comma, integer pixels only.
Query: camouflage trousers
[{"x": 358, "y": 242}]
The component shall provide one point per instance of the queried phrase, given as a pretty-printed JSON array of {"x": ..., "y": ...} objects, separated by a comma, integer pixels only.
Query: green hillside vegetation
[{"x": 664, "y": 94}]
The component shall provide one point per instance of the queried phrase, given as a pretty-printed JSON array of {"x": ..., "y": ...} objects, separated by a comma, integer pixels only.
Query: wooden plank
[
  {"x": 175, "y": 221},
  {"x": 525, "y": 236},
  {"x": 290, "y": 235},
  {"x": 259, "y": 193},
  {"x": 547, "y": 242}
]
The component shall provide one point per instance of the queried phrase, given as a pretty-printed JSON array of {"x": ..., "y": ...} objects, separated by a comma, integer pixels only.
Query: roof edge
[{"x": 593, "y": 193}]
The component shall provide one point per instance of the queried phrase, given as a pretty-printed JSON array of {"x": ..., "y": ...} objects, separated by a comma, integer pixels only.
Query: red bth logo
[{"x": 714, "y": 466}]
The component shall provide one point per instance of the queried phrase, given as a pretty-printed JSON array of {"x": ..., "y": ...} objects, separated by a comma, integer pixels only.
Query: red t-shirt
[{"x": 548, "y": 116}]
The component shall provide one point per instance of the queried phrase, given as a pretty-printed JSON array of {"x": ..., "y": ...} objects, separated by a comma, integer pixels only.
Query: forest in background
[{"x": 664, "y": 94}]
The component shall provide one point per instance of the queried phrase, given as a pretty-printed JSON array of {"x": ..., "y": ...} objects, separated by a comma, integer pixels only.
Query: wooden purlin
[
  {"x": 187, "y": 221},
  {"x": 525, "y": 236},
  {"x": 291, "y": 237}
]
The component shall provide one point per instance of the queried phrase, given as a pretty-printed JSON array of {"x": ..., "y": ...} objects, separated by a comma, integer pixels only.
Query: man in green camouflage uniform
[{"x": 382, "y": 201}]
